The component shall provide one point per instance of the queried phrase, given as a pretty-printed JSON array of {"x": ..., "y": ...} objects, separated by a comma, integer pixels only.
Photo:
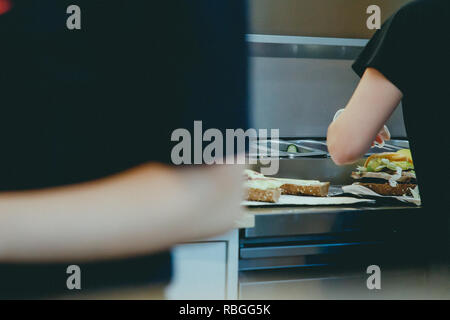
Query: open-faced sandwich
[
  {"x": 388, "y": 174},
  {"x": 265, "y": 189}
]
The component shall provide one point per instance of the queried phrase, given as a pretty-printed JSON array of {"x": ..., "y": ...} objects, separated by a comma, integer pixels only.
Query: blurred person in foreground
[{"x": 86, "y": 123}]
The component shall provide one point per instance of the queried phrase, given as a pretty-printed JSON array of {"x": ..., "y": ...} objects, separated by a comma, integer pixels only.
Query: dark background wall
[{"x": 316, "y": 18}]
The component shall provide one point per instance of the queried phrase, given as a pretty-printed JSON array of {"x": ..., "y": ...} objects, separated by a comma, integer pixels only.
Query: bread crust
[
  {"x": 282, "y": 186},
  {"x": 318, "y": 190},
  {"x": 269, "y": 195},
  {"x": 386, "y": 189}
]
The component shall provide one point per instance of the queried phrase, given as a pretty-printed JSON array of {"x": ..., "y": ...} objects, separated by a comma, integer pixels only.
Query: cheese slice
[
  {"x": 297, "y": 182},
  {"x": 263, "y": 184}
]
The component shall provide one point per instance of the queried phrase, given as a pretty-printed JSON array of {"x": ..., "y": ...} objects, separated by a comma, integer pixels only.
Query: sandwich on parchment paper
[
  {"x": 264, "y": 189},
  {"x": 388, "y": 174}
]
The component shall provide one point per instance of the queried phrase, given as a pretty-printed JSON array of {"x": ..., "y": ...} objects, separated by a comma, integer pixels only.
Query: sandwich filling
[{"x": 392, "y": 167}]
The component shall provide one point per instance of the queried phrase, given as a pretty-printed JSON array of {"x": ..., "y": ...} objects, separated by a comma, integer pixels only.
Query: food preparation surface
[
  {"x": 288, "y": 200},
  {"x": 362, "y": 207},
  {"x": 283, "y": 221}
]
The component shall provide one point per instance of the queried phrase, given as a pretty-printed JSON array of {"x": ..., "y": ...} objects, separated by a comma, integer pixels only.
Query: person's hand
[
  {"x": 218, "y": 191},
  {"x": 382, "y": 136}
]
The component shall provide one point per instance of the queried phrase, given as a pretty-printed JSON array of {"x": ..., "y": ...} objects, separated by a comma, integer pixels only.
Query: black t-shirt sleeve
[{"x": 391, "y": 50}]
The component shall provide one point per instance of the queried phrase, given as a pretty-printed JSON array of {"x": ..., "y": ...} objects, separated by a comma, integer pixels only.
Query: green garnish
[
  {"x": 292, "y": 148},
  {"x": 377, "y": 165}
]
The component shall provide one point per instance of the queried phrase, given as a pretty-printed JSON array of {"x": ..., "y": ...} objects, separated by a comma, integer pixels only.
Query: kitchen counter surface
[
  {"x": 283, "y": 221},
  {"x": 327, "y": 209}
]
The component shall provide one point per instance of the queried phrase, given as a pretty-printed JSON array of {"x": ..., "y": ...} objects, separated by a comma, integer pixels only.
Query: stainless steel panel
[
  {"x": 405, "y": 283},
  {"x": 304, "y": 47},
  {"x": 300, "y": 95},
  {"x": 296, "y": 250},
  {"x": 296, "y": 40},
  {"x": 389, "y": 146},
  {"x": 281, "y": 262},
  {"x": 319, "y": 288},
  {"x": 323, "y": 169},
  {"x": 313, "y": 148},
  {"x": 279, "y": 222},
  {"x": 268, "y": 147},
  {"x": 301, "y": 224},
  {"x": 310, "y": 51}
]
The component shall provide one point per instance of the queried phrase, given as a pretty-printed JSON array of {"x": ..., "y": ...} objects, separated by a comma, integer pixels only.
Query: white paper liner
[
  {"x": 307, "y": 201},
  {"x": 359, "y": 190}
]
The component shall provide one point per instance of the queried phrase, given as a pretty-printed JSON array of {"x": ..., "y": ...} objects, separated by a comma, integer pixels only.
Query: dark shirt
[
  {"x": 412, "y": 51},
  {"x": 78, "y": 105}
]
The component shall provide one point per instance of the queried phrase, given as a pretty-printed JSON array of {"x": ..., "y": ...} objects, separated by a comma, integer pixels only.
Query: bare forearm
[
  {"x": 144, "y": 210},
  {"x": 371, "y": 105}
]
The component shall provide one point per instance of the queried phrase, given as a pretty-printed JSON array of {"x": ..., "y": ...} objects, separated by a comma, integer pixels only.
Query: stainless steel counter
[
  {"x": 304, "y": 236},
  {"x": 323, "y": 252},
  {"x": 286, "y": 221}
]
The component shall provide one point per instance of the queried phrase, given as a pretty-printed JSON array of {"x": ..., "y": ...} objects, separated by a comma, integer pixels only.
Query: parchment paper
[
  {"x": 286, "y": 200},
  {"x": 359, "y": 190}
]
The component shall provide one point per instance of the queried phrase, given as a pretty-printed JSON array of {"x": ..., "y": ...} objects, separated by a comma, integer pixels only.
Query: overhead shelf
[{"x": 304, "y": 47}]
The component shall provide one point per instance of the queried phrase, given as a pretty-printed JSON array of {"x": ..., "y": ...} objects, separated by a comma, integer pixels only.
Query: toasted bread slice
[
  {"x": 317, "y": 190},
  {"x": 260, "y": 187},
  {"x": 386, "y": 189},
  {"x": 268, "y": 195},
  {"x": 297, "y": 187}
]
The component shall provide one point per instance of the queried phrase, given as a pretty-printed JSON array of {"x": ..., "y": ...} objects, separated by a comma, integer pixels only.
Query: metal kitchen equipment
[
  {"x": 313, "y": 148},
  {"x": 389, "y": 146},
  {"x": 297, "y": 85},
  {"x": 279, "y": 147}
]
